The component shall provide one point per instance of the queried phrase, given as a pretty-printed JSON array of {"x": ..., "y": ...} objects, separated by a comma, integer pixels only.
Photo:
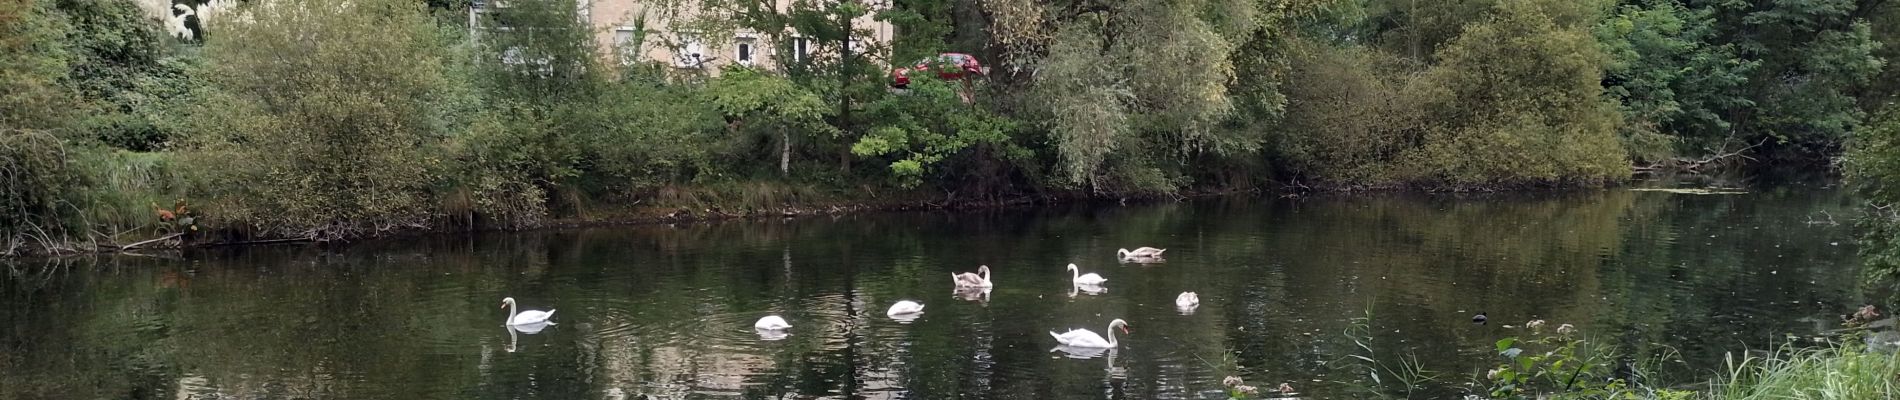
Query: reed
[{"x": 1835, "y": 372}]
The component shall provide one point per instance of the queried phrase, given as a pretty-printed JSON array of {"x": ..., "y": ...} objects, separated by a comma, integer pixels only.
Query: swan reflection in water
[
  {"x": 1092, "y": 290},
  {"x": 979, "y": 295},
  {"x": 772, "y": 334},
  {"x": 1082, "y": 353},
  {"x": 526, "y": 329}
]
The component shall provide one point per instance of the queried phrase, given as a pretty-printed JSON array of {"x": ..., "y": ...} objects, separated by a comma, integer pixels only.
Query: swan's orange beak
[
  {"x": 1125, "y": 330},
  {"x": 503, "y": 305}
]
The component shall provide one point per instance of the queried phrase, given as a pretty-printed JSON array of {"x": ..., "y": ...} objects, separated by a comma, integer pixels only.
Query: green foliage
[
  {"x": 393, "y": 119},
  {"x": 37, "y": 178},
  {"x": 1814, "y": 55},
  {"x": 1844, "y": 371},
  {"x": 1358, "y": 113},
  {"x": 1872, "y": 164},
  {"x": 1554, "y": 364},
  {"x": 116, "y": 66},
  {"x": 1671, "y": 81},
  {"x": 771, "y": 104},
  {"x": 33, "y": 62},
  {"x": 1524, "y": 103},
  {"x": 537, "y": 51},
  {"x": 1130, "y": 92},
  {"x": 325, "y": 138},
  {"x": 1407, "y": 376},
  {"x": 1513, "y": 101},
  {"x": 929, "y": 124}
]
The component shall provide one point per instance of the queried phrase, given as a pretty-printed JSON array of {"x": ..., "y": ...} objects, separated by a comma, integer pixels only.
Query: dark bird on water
[{"x": 1478, "y": 319}]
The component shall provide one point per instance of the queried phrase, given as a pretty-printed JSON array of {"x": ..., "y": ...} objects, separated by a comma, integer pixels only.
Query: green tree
[
  {"x": 1873, "y": 165},
  {"x": 116, "y": 67},
  {"x": 1674, "y": 85},
  {"x": 537, "y": 51},
  {"x": 930, "y": 126},
  {"x": 325, "y": 138},
  {"x": 1815, "y": 56},
  {"x": 774, "y": 104},
  {"x": 1524, "y": 102},
  {"x": 1130, "y": 92}
]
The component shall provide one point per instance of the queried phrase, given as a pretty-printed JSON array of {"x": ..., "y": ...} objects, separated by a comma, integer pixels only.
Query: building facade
[{"x": 632, "y": 31}]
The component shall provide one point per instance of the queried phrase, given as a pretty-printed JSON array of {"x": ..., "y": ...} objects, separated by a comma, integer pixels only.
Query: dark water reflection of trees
[{"x": 665, "y": 311}]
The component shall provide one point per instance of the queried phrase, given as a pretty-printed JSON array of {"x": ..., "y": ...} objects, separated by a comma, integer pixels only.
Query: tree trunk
[
  {"x": 784, "y": 153},
  {"x": 844, "y": 92}
]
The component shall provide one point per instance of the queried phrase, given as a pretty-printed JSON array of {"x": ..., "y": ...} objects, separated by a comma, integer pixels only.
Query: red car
[{"x": 963, "y": 66}]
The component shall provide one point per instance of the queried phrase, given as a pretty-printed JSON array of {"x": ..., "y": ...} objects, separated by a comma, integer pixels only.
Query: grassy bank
[{"x": 1561, "y": 362}]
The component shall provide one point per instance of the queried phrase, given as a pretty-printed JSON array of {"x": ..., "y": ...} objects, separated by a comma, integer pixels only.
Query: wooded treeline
[{"x": 310, "y": 119}]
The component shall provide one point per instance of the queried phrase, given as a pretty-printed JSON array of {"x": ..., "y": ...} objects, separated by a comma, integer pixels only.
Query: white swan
[
  {"x": 771, "y": 323},
  {"x": 905, "y": 307},
  {"x": 972, "y": 279},
  {"x": 525, "y": 317},
  {"x": 1085, "y": 338},
  {"x": 1088, "y": 279},
  {"x": 1144, "y": 255},
  {"x": 1141, "y": 252},
  {"x": 1187, "y": 300}
]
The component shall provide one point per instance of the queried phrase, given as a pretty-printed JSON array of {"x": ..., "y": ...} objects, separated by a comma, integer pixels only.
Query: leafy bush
[
  {"x": 1873, "y": 166},
  {"x": 1515, "y": 100},
  {"x": 37, "y": 177},
  {"x": 1561, "y": 364},
  {"x": 33, "y": 62},
  {"x": 928, "y": 124},
  {"x": 329, "y": 137},
  {"x": 1524, "y": 103}
]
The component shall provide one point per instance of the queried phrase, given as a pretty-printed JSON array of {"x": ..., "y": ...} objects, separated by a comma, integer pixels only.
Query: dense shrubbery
[
  {"x": 325, "y": 138},
  {"x": 1361, "y": 116},
  {"x": 397, "y": 119},
  {"x": 1873, "y": 164}
]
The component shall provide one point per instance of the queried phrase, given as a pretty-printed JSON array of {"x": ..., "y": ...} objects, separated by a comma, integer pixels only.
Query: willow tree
[{"x": 1132, "y": 90}]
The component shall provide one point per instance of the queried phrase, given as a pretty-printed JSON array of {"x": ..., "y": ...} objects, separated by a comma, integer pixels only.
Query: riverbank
[
  {"x": 671, "y": 205},
  {"x": 682, "y": 204}
]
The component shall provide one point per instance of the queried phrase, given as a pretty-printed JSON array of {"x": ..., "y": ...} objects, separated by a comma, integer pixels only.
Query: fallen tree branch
[
  {"x": 1724, "y": 156},
  {"x": 265, "y": 241},
  {"x": 142, "y": 243}
]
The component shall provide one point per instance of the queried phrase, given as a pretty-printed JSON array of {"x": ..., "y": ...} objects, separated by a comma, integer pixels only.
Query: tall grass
[
  {"x": 125, "y": 186},
  {"x": 1842, "y": 372}
]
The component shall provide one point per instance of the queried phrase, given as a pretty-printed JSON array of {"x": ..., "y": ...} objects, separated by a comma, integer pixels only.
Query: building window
[
  {"x": 627, "y": 41},
  {"x": 691, "y": 52},
  {"x": 801, "y": 48},
  {"x": 743, "y": 52},
  {"x": 623, "y": 35}
]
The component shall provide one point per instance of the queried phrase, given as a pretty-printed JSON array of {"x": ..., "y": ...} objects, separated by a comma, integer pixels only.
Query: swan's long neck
[
  {"x": 511, "y": 312},
  {"x": 1111, "y": 334},
  {"x": 986, "y": 275},
  {"x": 1075, "y": 273}
]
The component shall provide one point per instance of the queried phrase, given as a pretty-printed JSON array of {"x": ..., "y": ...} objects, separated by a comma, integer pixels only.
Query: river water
[{"x": 1290, "y": 290}]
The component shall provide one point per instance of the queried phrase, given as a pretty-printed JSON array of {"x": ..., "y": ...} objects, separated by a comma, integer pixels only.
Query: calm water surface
[{"x": 666, "y": 312}]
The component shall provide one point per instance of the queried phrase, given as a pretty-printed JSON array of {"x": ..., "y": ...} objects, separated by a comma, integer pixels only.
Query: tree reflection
[{"x": 666, "y": 312}]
